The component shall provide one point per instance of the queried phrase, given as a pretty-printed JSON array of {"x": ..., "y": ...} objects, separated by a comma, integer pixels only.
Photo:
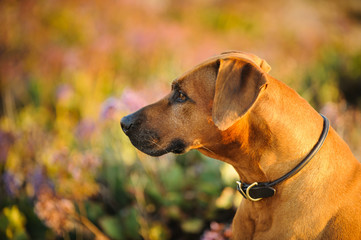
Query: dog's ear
[
  {"x": 253, "y": 58},
  {"x": 238, "y": 85}
]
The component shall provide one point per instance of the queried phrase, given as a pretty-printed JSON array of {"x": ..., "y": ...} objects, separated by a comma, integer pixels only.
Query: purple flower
[
  {"x": 132, "y": 100},
  {"x": 141, "y": 39},
  {"x": 90, "y": 161},
  {"x": 60, "y": 157},
  {"x": 85, "y": 129},
  {"x": 64, "y": 92},
  {"x": 39, "y": 179},
  {"x": 217, "y": 231},
  {"x": 109, "y": 108},
  {"x": 12, "y": 183}
]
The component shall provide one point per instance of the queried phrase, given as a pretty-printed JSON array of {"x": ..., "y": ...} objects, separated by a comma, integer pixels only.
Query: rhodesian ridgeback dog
[{"x": 229, "y": 108}]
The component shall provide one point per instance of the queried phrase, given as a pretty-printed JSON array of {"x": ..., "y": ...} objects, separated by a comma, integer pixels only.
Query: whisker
[{"x": 153, "y": 141}]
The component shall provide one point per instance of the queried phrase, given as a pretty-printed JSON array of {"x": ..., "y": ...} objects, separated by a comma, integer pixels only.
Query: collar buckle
[{"x": 246, "y": 194}]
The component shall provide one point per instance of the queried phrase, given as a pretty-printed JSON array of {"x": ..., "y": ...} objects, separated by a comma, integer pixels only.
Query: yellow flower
[{"x": 16, "y": 221}]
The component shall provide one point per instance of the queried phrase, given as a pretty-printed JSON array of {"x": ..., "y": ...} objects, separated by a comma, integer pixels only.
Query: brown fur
[{"x": 237, "y": 113}]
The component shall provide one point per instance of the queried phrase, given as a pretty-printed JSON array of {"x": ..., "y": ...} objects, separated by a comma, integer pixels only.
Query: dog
[{"x": 298, "y": 177}]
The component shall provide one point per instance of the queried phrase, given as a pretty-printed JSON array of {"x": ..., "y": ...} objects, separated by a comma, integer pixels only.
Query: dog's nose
[{"x": 126, "y": 123}]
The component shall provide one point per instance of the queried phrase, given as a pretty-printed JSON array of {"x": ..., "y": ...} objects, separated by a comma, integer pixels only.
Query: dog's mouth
[
  {"x": 176, "y": 146},
  {"x": 149, "y": 143}
]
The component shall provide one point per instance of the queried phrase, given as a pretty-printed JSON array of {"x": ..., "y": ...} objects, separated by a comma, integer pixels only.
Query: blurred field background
[{"x": 70, "y": 69}]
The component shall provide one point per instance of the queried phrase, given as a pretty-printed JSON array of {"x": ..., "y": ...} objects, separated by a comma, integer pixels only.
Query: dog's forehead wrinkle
[
  {"x": 178, "y": 84},
  {"x": 175, "y": 84}
]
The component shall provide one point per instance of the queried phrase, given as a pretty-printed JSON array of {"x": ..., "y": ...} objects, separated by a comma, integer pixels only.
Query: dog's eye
[{"x": 181, "y": 97}]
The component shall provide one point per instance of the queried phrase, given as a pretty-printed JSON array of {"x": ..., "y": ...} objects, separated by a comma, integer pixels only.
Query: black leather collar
[{"x": 256, "y": 191}]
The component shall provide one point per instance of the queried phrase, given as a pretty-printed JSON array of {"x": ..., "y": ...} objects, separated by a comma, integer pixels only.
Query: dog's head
[{"x": 203, "y": 102}]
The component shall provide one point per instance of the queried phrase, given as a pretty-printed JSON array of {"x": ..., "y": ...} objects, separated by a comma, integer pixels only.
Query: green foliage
[
  {"x": 335, "y": 76},
  {"x": 112, "y": 227}
]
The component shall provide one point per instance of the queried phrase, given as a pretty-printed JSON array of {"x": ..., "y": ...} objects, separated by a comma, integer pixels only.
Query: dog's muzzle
[{"x": 146, "y": 139}]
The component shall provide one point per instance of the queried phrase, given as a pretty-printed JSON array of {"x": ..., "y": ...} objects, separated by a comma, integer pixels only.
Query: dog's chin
[{"x": 176, "y": 146}]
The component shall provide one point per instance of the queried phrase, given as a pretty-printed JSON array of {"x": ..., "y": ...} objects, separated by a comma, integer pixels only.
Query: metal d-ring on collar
[{"x": 257, "y": 191}]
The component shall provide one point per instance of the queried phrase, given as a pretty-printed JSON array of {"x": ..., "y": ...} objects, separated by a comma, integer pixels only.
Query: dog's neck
[{"x": 294, "y": 128}]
